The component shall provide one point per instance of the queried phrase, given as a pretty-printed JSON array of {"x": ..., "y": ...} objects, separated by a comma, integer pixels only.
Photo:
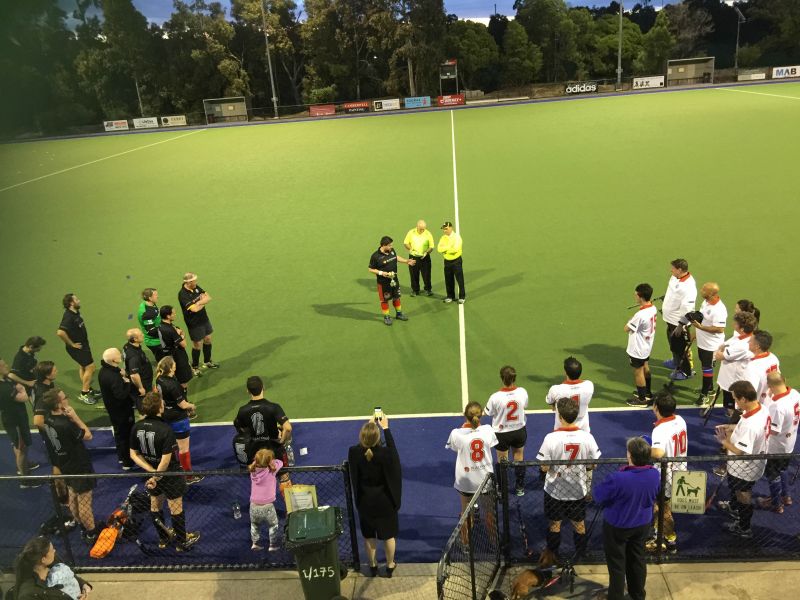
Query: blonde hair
[
  {"x": 263, "y": 460},
  {"x": 369, "y": 437},
  {"x": 164, "y": 366},
  {"x": 472, "y": 413}
]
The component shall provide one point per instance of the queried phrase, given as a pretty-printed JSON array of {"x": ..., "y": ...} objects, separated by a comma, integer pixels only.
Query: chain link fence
[{"x": 216, "y": 509}]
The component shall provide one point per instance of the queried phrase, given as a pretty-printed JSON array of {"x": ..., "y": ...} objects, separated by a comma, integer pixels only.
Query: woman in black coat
[
  {"x": 377, "y": 485},
  {"x": 31, "y": 569}
]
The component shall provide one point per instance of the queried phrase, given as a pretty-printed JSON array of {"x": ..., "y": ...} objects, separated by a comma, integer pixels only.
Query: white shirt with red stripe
[
  {"x": 784, "y": 416},
  {"x": 669, "y": 435},
  {"x": 750, "y": 436},
  {"x": 714, "y": 315},
  {"x": 507, "y": 409},
  {"x": 642, "y": 332},
  {"x": 735, "y": 358},
  {"x": 756, "y": 372},
  {"x": 474, "y": 459},
  {"x": 568, "y": 482},
  {"x": 680, "y": 298},
  {"x": 580, "y": 390}
]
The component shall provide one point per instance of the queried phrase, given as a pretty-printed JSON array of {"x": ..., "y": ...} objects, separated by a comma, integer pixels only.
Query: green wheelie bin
[{"x": 312, "y": 536}]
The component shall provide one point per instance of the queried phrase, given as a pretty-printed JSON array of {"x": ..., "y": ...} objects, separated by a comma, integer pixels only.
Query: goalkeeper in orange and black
[{"x": 383, "y": 264}]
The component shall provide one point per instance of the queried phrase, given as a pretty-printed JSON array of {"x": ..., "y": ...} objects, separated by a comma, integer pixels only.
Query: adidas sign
[{"x": 581, "y": 88}]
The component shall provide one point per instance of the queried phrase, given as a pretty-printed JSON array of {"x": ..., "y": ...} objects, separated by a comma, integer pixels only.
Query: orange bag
[{"x": 105, "y": 542}]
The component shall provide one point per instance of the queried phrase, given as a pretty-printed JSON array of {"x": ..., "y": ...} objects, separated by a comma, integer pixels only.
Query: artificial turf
[{"x": 564, "y": 207}]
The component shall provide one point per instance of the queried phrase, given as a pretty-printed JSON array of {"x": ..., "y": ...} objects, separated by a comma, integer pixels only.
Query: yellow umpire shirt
[
  {"x": 420, "y": 242},
  {"x": 450, "y": 246}
]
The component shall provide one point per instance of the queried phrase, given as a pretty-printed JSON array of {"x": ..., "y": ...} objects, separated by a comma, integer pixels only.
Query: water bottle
[
  {"x": 237, "y": 510},
  {"x": 289, "y": 453}
]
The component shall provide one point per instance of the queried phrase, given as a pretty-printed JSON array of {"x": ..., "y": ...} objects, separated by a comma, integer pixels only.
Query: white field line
[
  {"x": 462, "y": 334},
  {"x": 757, "y": 93},
  {"x": 97, "y": 160}
]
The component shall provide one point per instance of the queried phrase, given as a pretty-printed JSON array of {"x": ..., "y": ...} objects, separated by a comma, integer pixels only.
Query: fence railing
[
  {"x": 566, "y": 495},
  {"x": 217, "y": 508}
]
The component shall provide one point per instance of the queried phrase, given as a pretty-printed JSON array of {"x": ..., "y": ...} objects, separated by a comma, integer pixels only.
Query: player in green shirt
[{"x": 150, "y": 319}]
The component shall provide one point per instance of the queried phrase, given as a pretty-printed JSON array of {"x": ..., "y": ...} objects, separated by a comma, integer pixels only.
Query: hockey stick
[
  {"x": 523, "y": 531},
  {"x": 707, "y": 410},
  {"x": 713, "y": 496},
  {"x": 796, "y": 473}
]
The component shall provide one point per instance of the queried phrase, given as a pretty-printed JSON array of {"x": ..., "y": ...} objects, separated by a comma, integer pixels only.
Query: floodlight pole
[
  {"x": 739, "y": 20},
  {"x": 619, "y": 49},
  {"x": 269, "y": 60}
]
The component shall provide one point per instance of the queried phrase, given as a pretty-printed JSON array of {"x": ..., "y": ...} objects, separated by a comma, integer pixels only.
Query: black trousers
[
  {"x": 707, "y": 362},
  {"x": 625, "y": 559},
  {"x": 122, "y": 425},
  {"x": 677, "y": 345},
  {"x": 453, "y": 271},
  {"x": 422, "y": 266}
]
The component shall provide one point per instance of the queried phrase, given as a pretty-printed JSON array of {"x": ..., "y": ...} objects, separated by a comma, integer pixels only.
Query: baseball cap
[{"x": 446, "y": 224}]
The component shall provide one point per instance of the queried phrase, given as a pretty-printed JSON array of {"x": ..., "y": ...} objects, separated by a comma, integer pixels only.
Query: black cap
[{"x": 446, "y": 224}]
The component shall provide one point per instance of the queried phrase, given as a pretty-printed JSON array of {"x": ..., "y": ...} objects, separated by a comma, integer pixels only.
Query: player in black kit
[{"x": 153, "y": 448}]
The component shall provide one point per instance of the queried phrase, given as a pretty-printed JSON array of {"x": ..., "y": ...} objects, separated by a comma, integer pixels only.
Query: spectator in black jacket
[
  {"x": 32, "y": 567},
  {"x": 115, "y": 388},
  {"x": 377, "y": 484}
]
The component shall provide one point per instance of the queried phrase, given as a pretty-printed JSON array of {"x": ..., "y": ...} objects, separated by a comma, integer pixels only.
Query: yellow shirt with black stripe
[{"x": 450, "y": 246}]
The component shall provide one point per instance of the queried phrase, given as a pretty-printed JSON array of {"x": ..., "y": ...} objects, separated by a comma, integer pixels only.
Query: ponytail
[
  {"x": 472, "y": 413},
  {"x": 368, "y": 454},
  {"x": 369, "y": 437},
  {"x": 36, "y": 549},
  {"x": 163, "y": 368}
]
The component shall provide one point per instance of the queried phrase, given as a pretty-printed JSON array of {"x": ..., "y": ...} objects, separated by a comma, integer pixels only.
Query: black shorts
[
  {"x": 16, "y": 425},
  {"x": 198, "y": 332},
  {"x": 170, "y": 486},
  {"x": 83, "y": 356},
  {"x": 738, "y": 485},
  {"x": 386, "y": 292},
  {"x": 637, "y": 363},
  {"x": 775, "y": 466},
  {"x": 559, "y": 510},
  {"x": 511, "y": 439},
  {"x": 183, "y": 370},
  {"x": 79, "y": 486}
]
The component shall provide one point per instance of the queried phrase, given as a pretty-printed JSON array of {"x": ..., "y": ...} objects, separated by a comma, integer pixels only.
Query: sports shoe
[
  {"x": 520, "y": 491},
  {"x": 70, "y": 524},
  {"x": 127, "y": 467},
  {"x": 787, "y": 500},
  {"x": 30, "y": 485},
  {"x": 461, "y": 300},
  {"x": 191, "y": 540},
  {"x": 547, "y": 559},
  {"x": 766, "y": 504},
  {"x": 387, "y": 320},
  {"x": 197, "y": 372},
  {"x": 273, "y": 548},
  {"x": 210, "y": 364},
  {"x": 670, "y": 364},
  {"x": 637, "y": 402},
  {"x": 88, "y": 537},
  {"x": 256, "y": 547},
  {"x": 704, "y": 400},
  {"x": 162, "y": 542},
  {"x": 96, "y": 393},
  {"x": 667, "y": 546},
  {"x": 192, "y": 479},
  {"x": 678, "y": 375},
  {"x": 447, "y": 300},
  {"x": 735, "y": 528},
  {"x": 89, "y": 398},
  {"x": 30, "y": 467},
  {"x": 725, "y": 506},
  {"x": 720, "y": 470},
  {"x": 413, "y": 293},
  {"x": 401, "y": 317},
  {"x": 428, "y": 293}
]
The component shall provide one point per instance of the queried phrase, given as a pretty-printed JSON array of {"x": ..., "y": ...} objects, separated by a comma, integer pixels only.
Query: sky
[{"x": 160, "y": 10}]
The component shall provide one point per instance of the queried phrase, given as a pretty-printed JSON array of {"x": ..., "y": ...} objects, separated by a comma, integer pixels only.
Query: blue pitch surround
[{"x": 430, "y": 504}]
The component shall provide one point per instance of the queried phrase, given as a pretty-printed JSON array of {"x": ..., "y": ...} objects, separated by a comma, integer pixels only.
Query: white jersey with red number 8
[
  {"x": 507, "y": 409},
  {"x": 474, "y": 459}
]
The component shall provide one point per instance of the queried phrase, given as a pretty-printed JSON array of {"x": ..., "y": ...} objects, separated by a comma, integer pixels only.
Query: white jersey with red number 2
[
  {"x": 580, "y": 391},
  {"x": 474, "y": 459},
  {"x": 507, "y": 409},
  {"x": 568, "y": 482}
]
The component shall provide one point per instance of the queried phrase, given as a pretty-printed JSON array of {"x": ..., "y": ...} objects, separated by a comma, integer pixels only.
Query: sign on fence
[
  {"x": 586, "y": 87},
  {"x": 115, "y": 125},
  {"x": 451, "y": 100},
  {"x": 356, "y": 107},
  {"x": 393, "y": 104},
  {"x": 417, "y": 102},
  {"x": 689, "y": 492},
  {"x": 145, "y": 123},
  {"x": 641, "y": 83},
  {"x": 757, "y": 76},
  {"x": 173, "y": 121},
  {"x": 785, "y": 72},
  {"x": 322, "y": 110}
]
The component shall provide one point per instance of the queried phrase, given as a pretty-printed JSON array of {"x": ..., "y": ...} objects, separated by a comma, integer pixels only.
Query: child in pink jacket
[{"x": 262, "y": 496}]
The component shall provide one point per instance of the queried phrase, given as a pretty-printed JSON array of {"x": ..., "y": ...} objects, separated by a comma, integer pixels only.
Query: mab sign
[{"x": 785, "y": 72}]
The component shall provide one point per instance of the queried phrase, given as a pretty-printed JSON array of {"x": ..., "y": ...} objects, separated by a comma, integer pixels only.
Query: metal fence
[
  {"x": 217, "y": 508},
  {"x": 525, "y": 529}
]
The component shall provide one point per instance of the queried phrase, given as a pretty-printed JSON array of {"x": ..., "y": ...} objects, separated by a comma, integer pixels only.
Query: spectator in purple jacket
[{"x": 627, "y": 498}]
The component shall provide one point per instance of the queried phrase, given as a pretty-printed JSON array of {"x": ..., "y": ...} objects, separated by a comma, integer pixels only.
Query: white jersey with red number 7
[
  {"x": 568, "y": 482},
  {"x": 507, "y": 409},
  {"x": 474, "y": 459}
]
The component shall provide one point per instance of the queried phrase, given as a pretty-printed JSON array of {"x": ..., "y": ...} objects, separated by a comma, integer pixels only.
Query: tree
[
  {"x": 608, "y": 46},
  {"x": 476, "y": 52},
  {"x": 689, "y": 26},
  {"x": 658, "y": 45},
  {"x": 497, "y": 28},
  {"x": 420, "y": 46},
  {"x": 643, "y": 15},
  {"x": 521, "y": 60},
  {"x": 550, "y": 28},
  {"x": 783, "y": 21}
]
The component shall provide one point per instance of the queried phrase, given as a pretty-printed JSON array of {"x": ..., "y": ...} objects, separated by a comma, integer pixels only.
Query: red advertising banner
[
  {"x": 321, "y": 110},
  {"x": 451, "y": 100},
  {"x": 356, "y": 107}
]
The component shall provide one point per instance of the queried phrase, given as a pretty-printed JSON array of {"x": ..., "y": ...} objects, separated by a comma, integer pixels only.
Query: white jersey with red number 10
[
  {"x": 474, "y": 456},
  {"x": 669, "y": 435},
  {"x": 568, "y": 482},
  {"x": 784, "y": 415},
  {"x": 642, "y": 332},
  {"x": 756, "y": 372},
  {"x": 507, "y": 409},
  {"x": 579, "y": 390}
]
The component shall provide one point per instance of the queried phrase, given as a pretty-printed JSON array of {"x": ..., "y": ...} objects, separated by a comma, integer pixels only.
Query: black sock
[
  {"x": 745, "y": 515},
  {"x": 179, "y": 524},
  {"x": 642, "y": 393},
  {"x": 206, "y": 352},
  {"x": 580, "y": 542},
  {"x": 648, "y": 379},
  {"x": 519, "y": 472},
  {"x": 553, "y": 541},
  {"x": 195, "y": 358},
  {"x": 708, "y": 383},
  {"x": 159, "y": 516}
]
